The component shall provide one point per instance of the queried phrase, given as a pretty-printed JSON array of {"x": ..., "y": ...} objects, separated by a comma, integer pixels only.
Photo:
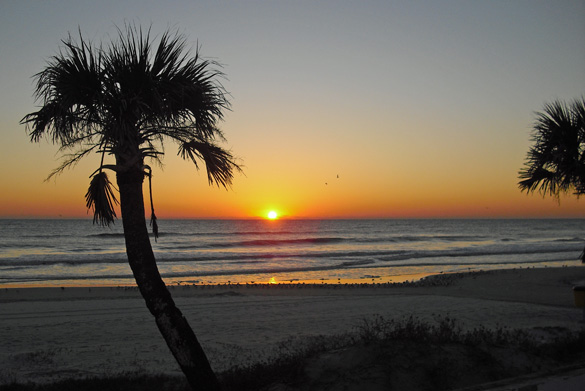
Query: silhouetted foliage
[
  {"x": 101, "y": 198},
  {"x": 555, "y": 164},
  {"x": 124, "y": 99},
  {"x": 438, "y": 355}
]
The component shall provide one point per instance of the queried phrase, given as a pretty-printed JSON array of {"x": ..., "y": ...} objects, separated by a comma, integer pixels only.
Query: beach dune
[{"x": 53, "y": 333}]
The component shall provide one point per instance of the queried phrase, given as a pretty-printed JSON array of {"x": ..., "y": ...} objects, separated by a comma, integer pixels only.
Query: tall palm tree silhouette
[
  {"x": 123, "y": 100},
  {"x": 556, "y": 162}
]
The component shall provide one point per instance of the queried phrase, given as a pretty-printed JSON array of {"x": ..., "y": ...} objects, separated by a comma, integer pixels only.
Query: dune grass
[{"x": 439, "y": 354}]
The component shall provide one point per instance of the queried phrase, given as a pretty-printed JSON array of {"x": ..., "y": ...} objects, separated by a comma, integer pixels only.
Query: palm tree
[
  {"x": 124, "y": 100},
  {"x": 556, "y": 162}
]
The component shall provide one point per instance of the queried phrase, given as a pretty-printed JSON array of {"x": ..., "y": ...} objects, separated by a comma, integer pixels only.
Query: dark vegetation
[
  {"x": 379, "y": 354},
  {"x": 124, "y": 99},
  {"x": 555, "y": 164}
]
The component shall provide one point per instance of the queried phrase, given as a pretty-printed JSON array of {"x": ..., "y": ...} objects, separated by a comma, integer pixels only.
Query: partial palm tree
[
  {"x": 123, "y": 100},
  {"x": 555, "y": 164}
]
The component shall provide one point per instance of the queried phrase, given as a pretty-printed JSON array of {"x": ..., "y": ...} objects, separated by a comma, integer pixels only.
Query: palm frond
[
  {"x": 188, "y": 94},
  {"x": 100, "y": 197},
  {"x": 70, "y": 160},
  {"x": 540, "y": 179},
  {"x": 125, "y": 100},
  {"x": 69, "y": 88},
  {"x": 153, "y": 218},
  {"x": 220, "y": 164},
  {"x": 556, "y": 162}
]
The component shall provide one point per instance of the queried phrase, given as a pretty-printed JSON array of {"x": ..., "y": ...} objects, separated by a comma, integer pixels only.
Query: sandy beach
[{"x": 53, "y": 333}]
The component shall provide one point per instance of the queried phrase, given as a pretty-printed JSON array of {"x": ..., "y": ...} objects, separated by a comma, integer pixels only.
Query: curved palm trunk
[{"x": 170, "y": 321}]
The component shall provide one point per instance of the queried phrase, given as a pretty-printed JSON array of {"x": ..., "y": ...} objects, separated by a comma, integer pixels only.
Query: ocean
[{"x": 75, "y": 252}]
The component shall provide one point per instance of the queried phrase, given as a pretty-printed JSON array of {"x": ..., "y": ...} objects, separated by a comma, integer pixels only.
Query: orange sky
[
  {"x": 423, "y": 110},
  {"x": 182, "y": 192}
]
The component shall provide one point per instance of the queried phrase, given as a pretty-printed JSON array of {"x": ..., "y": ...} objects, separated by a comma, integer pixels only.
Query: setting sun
[{"x": 272, "y": 215}]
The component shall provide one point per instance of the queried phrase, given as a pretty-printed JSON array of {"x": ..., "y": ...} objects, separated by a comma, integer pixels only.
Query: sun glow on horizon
[{"x": 272, "y": 215}]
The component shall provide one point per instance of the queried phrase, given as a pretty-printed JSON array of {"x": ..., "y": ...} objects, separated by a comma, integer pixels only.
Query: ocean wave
[
  {"x": 19, "y": 245},
  {"x": 422, "y": 238},
  {"x": 302, "y": 238},
  {"x": 326, "y": 240},
  {"x": 255, "y": 243},
  {"x": 357, "y": 263},
  {"x": 24, "y": 263},
  {"x": 325, "y": 257},
  {"x": 272, "y": 233},
  {"x": 283, "y": 269},
  {"x": 473, "y": 253},
  {"x": 570, "y": 240},
  {"x": 322, "y": 240},
  {"x": 43, "y": 236},
  {"x": 160, "y": 234},
  {"x": 226, "y": 234},
  {"x": 106, "y": 235},
  {"x": 446, "y": 263},
  {"x": 269, "y": 242}
]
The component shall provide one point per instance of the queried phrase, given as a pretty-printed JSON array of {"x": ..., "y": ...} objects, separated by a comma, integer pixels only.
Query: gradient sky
[{"x": 422, "y": 108}]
